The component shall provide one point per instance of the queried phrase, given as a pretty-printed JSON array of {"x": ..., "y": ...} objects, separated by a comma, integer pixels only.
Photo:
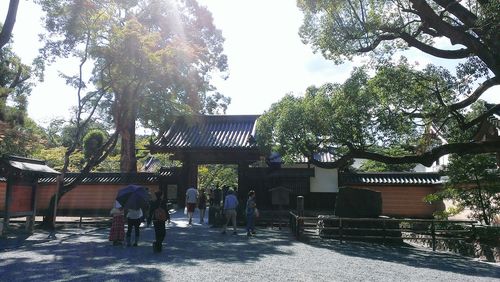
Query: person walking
[
  {"x": 202, "y": 205},
  {"x": 159, "y": 214},
  {"x": 251, "y": 211},
  {"x": 230, "y": 205},
  {"x": 133, "y": 221},
  {"x": 117, "y": 231},
  {"x": 191, "y": 200}
]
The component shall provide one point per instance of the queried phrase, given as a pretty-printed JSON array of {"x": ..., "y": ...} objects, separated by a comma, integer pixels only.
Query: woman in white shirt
[{"x": 133, "y": 221}]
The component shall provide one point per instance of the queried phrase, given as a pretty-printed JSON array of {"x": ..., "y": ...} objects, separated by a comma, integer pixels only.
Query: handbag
[{"x": 256, "y": 212}]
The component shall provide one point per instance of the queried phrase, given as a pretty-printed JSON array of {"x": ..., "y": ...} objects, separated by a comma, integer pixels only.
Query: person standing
[
  {"x": 191, "y": 200},
  {"x": 117, "y": 231},
  {"x": 251, "y": 213},
  {"x": 159, "y": 214},
  {"x": 202, "y": 205},
  {"x": 230, "y": 205},
  {"x": 133, "y": 221}
]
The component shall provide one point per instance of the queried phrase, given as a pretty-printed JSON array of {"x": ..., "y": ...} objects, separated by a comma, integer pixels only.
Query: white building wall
[{"x": 325, "y": 180}]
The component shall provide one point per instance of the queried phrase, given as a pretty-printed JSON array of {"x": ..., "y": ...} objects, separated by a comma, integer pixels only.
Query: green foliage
[
  {"x": 217, "y": 176},
  {"x": 152, "y": 59},
  {"x": 161, "y": 52},
  {"x": 93, "y": 141},
  {"x": 22, "y": 140},
  {"x": 110, "y": 164},
  {"x": 362, "y": 114},
  {"x": 301, "y": 126},
  {"x": 341, "y": 30},
  {"x": 374, "y": 166},
  {"x": 54, "y": 157},
  {"x": 15, "y": 87},
  {"x": 473, "y": 184}
]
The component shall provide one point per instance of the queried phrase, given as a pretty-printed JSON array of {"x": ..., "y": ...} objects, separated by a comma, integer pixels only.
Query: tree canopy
[
  {"x": 341, "y": 30},
  {"x": 151, "y": 59}
]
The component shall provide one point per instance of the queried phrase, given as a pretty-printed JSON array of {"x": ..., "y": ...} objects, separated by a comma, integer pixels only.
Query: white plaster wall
[{"x": 325, "y": 180}]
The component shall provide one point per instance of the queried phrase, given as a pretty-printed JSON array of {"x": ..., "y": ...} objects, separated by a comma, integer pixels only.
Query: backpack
[{"x": 160, "y": 214}]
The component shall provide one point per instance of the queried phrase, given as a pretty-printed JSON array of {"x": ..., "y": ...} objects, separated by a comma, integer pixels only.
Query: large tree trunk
[
  {"x": 125, "y": 122},
  {"x": 8, "y": 25},
  {"x": 128, "y": 161}
]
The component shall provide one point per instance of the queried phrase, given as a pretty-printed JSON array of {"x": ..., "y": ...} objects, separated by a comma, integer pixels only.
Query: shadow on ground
[
  {"x": 86, "y": 254},
  {"x": 89, "y": 255},
  {"x": 413, "y": 256}
]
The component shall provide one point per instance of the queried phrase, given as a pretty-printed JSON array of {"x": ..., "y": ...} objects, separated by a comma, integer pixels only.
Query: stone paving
[{"x": 198, "y": 252}]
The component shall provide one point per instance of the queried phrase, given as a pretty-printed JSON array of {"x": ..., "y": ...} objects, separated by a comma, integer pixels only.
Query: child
[{"x": 117, "y": 232}]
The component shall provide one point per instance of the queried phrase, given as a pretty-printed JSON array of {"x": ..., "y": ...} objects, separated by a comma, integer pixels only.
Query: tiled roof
[
  {"x": 107, "y": 178},
  {"x": 323, "y": 157},
  {"x": 209, "y": 132},
  {"x": 494, "y": 119},
  {"x": 30, "y": 166},
  {"x": 390, "y": 178}
]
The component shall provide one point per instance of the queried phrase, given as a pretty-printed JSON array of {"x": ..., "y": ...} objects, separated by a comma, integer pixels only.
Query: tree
[
  {"x": 343, "y": 29},
  {"x": 217, "y": 176},
  {"x": 361, "y": 118},
  {"x": 54, "y": 156},
  {"x": 22, "y": 140},
  {"x": 472, "y": 184},
  {"x": 151, "y": 58},
  {"x": 15, "y": 86}
]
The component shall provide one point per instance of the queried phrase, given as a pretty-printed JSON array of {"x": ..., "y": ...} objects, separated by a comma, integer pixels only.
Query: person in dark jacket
[
  {"x": 202, "y": 205},
  {"x": 159, "y": 215}
]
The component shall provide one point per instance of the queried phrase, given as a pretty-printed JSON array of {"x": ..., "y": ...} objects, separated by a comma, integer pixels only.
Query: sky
[{"x": 266, "y": 57}]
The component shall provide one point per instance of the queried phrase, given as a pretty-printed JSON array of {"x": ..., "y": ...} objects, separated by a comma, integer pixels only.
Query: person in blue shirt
[{"x": 230, "y": 205}]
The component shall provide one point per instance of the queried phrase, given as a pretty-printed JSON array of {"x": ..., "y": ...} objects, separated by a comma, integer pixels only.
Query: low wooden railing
[{"x": 381, "y": 229}]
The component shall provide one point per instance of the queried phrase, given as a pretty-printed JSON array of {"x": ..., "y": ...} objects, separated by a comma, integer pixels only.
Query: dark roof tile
[
  {"x": 209, "y": 132},
  {"x": 393, "y": 178}
]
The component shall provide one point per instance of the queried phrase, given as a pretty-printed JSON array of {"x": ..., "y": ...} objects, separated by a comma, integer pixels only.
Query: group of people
[
  {"x": 230, "y": 212},
  {"x": 157, "y": 213},
  {"x": 230, "y": 207}
]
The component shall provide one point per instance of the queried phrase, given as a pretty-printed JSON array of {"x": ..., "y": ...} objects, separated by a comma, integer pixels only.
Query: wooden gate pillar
[
  {"x": 189, "y": 179},
  {"x": 243, "y": 187}
]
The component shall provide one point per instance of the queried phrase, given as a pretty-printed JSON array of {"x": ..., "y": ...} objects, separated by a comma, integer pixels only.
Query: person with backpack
[{"x": 159, "y": 215}]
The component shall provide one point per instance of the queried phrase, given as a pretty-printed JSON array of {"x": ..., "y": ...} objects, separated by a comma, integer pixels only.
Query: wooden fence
[{"x": 381, "y": 229}]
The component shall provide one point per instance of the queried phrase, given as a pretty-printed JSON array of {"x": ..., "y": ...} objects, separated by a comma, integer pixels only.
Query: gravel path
[{"x": 194, "y": 253}]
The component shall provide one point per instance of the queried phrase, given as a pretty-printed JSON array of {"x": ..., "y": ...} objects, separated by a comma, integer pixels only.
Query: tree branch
[
  {"x": 456, "y": 36},
  {"x": 487, "y": 84},
  {"x": 446, "y": 54},
  {"x": 425, "y": 159},
  {"x": 458, "y": 11},
  {"x": 376, "y": 42},
  {"x": 18, "y": 80},
  {"x": 482, "y": 117}
]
